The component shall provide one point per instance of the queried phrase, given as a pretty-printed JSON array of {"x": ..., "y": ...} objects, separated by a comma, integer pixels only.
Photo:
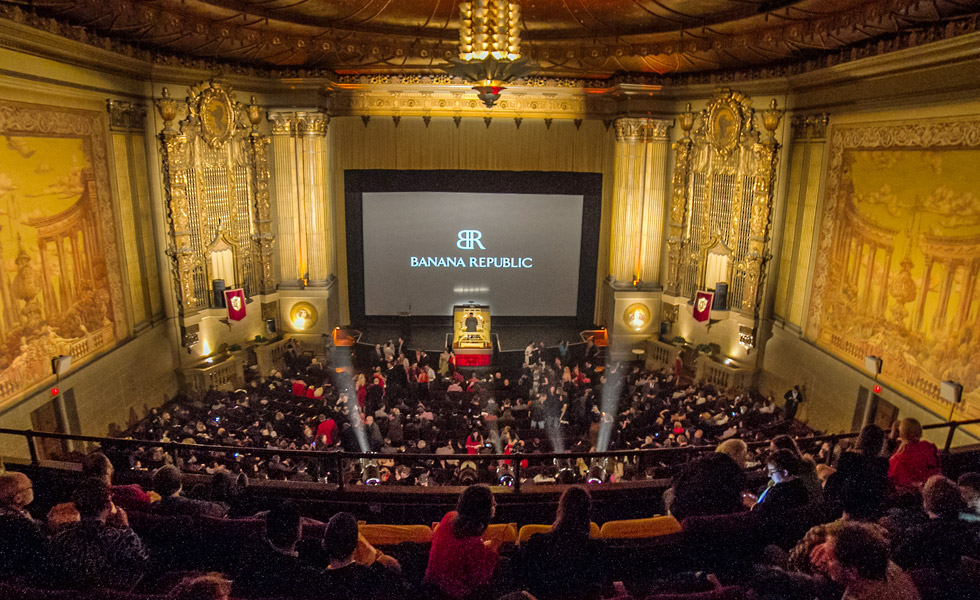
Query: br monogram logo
[{"x": 469, "y": 239}]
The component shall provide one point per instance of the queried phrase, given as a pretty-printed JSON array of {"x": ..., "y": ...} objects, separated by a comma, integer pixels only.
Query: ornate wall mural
[
  {"x": 60, "y": 288},
  {"x": 899, "y": 257}
]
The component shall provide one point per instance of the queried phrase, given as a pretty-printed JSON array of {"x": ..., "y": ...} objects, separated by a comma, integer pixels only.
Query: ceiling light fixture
[{"x": 489, "y": 47}]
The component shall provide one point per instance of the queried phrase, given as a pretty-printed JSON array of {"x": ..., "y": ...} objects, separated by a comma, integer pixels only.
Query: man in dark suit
[{"x": 793, "y": 400}]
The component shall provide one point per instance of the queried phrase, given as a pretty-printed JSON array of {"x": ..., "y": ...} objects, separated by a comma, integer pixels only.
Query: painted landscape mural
[
  {"x": 56, "y": 288},
  {"x": 899, "y": 258}
]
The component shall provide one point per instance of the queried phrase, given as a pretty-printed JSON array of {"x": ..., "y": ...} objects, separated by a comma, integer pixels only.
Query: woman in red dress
[{"x": 460, "y": 560}]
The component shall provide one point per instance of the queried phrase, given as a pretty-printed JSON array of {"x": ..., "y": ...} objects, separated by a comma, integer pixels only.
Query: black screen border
[{"x": 360, "y": 181}]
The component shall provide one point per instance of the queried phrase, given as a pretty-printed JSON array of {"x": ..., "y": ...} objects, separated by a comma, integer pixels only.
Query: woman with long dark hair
[
  {"x": 566, "y": 562},
  {"x": 461, "y": 561}
]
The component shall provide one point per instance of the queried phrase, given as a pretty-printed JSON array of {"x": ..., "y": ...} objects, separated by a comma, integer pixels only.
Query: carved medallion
[{"x": 218, "y": 115}]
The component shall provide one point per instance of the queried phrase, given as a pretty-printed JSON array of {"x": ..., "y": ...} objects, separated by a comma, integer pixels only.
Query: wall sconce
[
  {"x": 303, "y": 316},
  {"x": 637, "y": 316},
  {"x": 746, "y": 337}
]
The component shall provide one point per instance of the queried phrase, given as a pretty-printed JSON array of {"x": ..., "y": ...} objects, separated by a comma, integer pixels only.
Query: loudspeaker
[
  {"x": 950, "y": 391},
  {"x": 60, "y": 364},
  {"x": 218, "y": 286},
  {"x": 721, "y": 296},
  {"x": 872, "y": 364},
  {"x": 270, "y": 325}
]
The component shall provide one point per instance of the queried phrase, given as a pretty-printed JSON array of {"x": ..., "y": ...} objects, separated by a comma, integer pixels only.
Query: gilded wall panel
[
  {"x": 899, "y": 254},
  {"x": 60, "y": 283}
]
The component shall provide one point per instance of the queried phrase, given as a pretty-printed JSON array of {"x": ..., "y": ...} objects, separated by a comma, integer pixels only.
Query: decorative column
[
  {"x": 678, "y": 202},
  {"x": 639, "y": 192},
  {"x": 313, "y": 143},
  {"x": 638, "y": 200},
  {"x": 287, "y": 210},
  {"x": 299, "y": 139}
]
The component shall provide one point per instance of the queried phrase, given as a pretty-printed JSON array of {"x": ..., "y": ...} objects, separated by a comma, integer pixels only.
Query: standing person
[
  {"x": 461, "y": 561},
  {"x": 793, "y": 400},
  {"x": 566, "y": 562},
  {"x": 915, "y": 461}
]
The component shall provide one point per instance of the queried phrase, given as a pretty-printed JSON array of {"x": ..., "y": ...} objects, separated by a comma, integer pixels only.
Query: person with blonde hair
[
  {"x": 915, "y": 461},
  {"x": 737, "y": 449}
]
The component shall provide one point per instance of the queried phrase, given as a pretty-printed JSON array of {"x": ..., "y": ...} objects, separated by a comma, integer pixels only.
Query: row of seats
[
  {"x": 18, "y": 592},
  {"x": 642, "y": 549}
]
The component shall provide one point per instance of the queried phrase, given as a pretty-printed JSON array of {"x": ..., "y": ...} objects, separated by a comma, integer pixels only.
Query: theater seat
[
  {"x": 386, "y": 535},
  {"x": 528, "y": 530},
  {"x": 9, "y": 591},
  {"x": 725, "y": 593},
  {"x": 639, "y": 528},
  {"x": 499, "y": 533}
]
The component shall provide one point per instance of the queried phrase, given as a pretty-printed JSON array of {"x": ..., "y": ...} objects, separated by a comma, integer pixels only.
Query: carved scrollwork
[
  {"x": 639, "y": 130},
  {"x": 721, "y": 192},
  {"x": 216, "y": 180}
]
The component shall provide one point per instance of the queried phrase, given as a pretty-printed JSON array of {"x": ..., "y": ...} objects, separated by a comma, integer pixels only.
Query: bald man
[{"x": 24, "y": 552}]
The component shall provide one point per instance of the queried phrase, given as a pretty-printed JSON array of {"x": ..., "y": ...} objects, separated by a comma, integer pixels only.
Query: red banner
[
  {"x": 235, "y": 300},
  {"x": 702, "y": 306}
]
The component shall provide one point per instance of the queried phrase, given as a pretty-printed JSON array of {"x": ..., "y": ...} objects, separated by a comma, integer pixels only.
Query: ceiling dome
[{"x": 564, "y": 38}]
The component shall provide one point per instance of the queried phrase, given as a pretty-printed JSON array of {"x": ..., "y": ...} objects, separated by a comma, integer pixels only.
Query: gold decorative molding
[
  {"x": 726, "y": 121},
  {"x": 458, "y": 100},
  {"x": 809, "y": 127},
  {"x": 216, "y": 180},
  {"x": 641, "y": 129},
  {"x": 276, "y": 36},
  {"x": 126, "y": 116},
  {"x": 721, "y": 192}
]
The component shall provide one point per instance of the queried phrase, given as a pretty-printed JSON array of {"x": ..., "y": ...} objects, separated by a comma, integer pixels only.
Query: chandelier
[{"x": 489, "y": 47}]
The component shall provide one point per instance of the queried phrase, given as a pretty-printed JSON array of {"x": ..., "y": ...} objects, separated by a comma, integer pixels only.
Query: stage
[{"x": 434, "y": 339}]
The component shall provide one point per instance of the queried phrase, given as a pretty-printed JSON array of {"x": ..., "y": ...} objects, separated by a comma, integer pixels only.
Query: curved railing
[{"x": 338, "y": 460}]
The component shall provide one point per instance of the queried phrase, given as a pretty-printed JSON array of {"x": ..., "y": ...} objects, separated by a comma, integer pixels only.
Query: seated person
[
  {"x": 211, "y": 586},
  {"x": 566, "y": 562},
  {"x": 127, "y": 497},
  {"x": 969, "y": 484},
  {"x": 346, "y": 579},
  {"x": 857, "y": 557},
  {"x": 708, "y": 485},
  {"x": 99, "y": 551},
  {"x": 24, "y": 551},
  {"x": 167, "y": 483},
  {"x": 788, "y": 491},
  {"x": 861, "y": 477},
  {"x": 270, "y": 566},
  {"x": 460, "y": 560},
  {"x": 945, "y": 537},
  {"x": 915, "y": 461}
]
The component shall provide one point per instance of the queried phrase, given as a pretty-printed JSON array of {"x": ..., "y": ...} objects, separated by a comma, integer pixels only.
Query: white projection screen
[{"x": 420, "y": 242}]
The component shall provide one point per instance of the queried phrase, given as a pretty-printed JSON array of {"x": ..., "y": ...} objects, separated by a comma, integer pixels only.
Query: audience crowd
[
  {"x": 892, "y": 514},
  {"x": 558, "y": 401}
]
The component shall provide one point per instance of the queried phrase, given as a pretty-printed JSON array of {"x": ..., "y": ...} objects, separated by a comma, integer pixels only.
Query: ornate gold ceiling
[{"x": 566, "y": 38}]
